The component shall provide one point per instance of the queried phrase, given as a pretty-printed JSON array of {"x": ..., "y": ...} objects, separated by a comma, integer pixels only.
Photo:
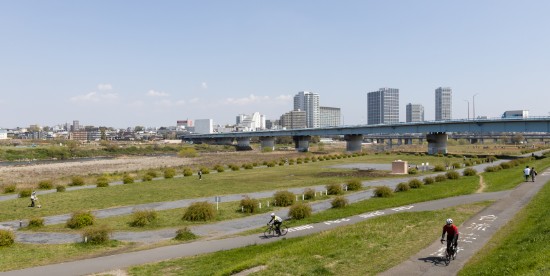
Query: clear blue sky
[{"x": 150, "y": 63}]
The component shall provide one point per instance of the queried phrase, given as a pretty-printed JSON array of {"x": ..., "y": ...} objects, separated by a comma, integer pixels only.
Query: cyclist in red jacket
[{"x": 452, "y": 234}]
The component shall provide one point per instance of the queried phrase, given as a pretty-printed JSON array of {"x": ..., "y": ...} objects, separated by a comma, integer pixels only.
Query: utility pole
[
  {"x": 468, "y": 108},
  {"x": 474, "y": 106}
]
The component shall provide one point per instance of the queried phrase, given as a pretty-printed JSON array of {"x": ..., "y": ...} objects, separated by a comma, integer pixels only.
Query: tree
[
  {"x": 139, "y": 128},
  {"x": 517, "y": 138}
]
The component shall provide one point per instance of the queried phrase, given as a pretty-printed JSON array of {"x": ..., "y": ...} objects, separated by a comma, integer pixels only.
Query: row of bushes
[{"x": 508, "y": 165}]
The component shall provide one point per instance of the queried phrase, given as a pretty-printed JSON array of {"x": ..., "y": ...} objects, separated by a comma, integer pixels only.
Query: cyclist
[
  {"x": 277, "y": 221},
  {"x": 452, "y": 234}
]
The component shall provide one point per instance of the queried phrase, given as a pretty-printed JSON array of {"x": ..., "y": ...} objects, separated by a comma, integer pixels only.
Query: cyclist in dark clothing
[{"x": 452, "y": 234}]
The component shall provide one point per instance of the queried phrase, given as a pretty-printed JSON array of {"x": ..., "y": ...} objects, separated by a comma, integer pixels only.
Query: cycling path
[
  {"x": 222, "y": 228},
  {"x": 475, "y": 233}
]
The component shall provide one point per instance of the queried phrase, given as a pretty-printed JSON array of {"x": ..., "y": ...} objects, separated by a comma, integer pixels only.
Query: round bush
[
  {"x": 187, "y": 172},
  {"x": 7, "y": 237},
  {"x": 309, "y": 194},
  {"x": 234, "y": 167},
  {"x": 60, "y": 188},
  {"x": 127, "y": 179},
  {"x": 334, "y": 189},
  {"x": 428, "y": 180},
  {"x": 152, "y": 173},
  {"x": 81, "y": 219},
  {"x": 440, "y": 178},
  {"x": 199, "y": 211},
  {"x": 402, "y": 187},
  {"x": 169, "y": 173},
  {"x": 469, "y": 172},
  {"x": 141, "y": 218},
  {"x": 452, "y": 175},
  {"x": 413, "y": 171},
  {"x": 102, "y": 181},
  {"x": 283, "y": 198},
  {"x": 45, "y": 184},
  {"x": 271, "y": 164},
  {"x": 204, "y": 170},
  {"x": 9, "y": 188},
  {"x": 415, "y": 183},
  {"x": 36, "y": 222},
  {"x": 339, "y": 202},
  {"x": 383, "y": 191},
  {"x": 146, "y": 177},
  {"x": 96, "y": 235},
  {"x": 299, "y": 211},
  {"x": 505, "y": 165},
  {"x": 457, "y": 165},
  {"x": 184, "y": 234},
  {"x": 25, "y": 193},
  {"x": 77, "y": 181},
  {"x": 250, "y": 205},
  {"x": 248, "y": 166},
  {"x": 354, "y": 185},
  {"x": 492, "y": 169},
  {"x": 219, "y": 168},
  {"x": 439, "y": 168}
]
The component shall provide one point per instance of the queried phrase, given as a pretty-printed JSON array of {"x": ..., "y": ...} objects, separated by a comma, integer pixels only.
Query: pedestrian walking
[
  {"x": 200, "y": 174},
  {"x": 526, "y": 173},
  {"x": 533, "y": 173}
]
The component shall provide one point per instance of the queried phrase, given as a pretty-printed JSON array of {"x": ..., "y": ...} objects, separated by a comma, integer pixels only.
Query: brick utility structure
[{"x": 400, "y": 167}]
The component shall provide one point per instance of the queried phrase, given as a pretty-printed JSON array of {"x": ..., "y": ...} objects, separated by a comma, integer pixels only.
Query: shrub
[
  {"x": 299, "y": 160},
  {"x": 505, "y": 165},
  {"x": 339, "y": 202},
  {"x": 271, "y": 164},
  {"x": 383, "y": 191},
  {"x": 45, "y": 184},
  {"x": 25, "y": 193},
  {"x": 299, "y": 211},
  {"x": 152, "y": 174},
  {"x": 415, "y": 183},
  {"x": 169, "y": 173},
  {"x": 81, "y": 219},
  {"x": 77, "y": 181},
  {"x": 146, "y": 177},
  {"x": 291, "y": 161},
  {"x": 36, "y": 222},
  {"x": 452, "y": 175},
  {"x": 456, "y": 165},
  {"x": 402, "y": 187},
  {"x": 354, "y": 185},
  {"x": 413, "y": 171},
  {"x": 469, "y": 172},
  {"x": 96, "y": 235},
  {"x": 439, "y": 168},
  {"x": 204, "y": 170},
  {"x": 187, "y": 172},
  {"x": 249, "y": 205},
  {"x": 492, "y": 169},
  {"x": 102, "y": 181},
  {"x": 127, "y": 179},
  {"x": 440, "y": 178},
  {"x": 60, "y": 188},
  {"x": 9, "y": 188},
  {"x": 283, "y": 198},
  {"x": 309, "y": 194},
  {"x": 141, "y": 218},
  {"x": 188, "y": 152},
  {"x": 199, "y": 211},
  {"x": 468, "y": 163},
  {"x": 7, "y": 237},
  {"x": 219, "y": 168},
  {"x": 184, "y": 234},
  {"x": 429, "y": 180},
  {"x": 334, "y": 189},
  {"x": 248, "y": 166},
  {"x": 234, "y": 167}
]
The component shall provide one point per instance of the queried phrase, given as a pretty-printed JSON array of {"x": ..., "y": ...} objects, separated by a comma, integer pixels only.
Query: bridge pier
[
  {"x": 400, "y": 141},
  {"x": 353, "y": 142},
  {"x": 243, "y": 143},
  {"x": 267, "y": 142},
  {"x": 301, "y": 143},
  {"x": 437, "y": 142}
]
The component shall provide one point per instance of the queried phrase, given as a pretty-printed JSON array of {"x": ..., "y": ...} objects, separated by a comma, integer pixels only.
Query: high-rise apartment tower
[
  {"x": 309, "y": 102},
  {"x": 414, "y": 113},
  {"x": 443, "y": 103},
  {"x": 383, "y": 106}
]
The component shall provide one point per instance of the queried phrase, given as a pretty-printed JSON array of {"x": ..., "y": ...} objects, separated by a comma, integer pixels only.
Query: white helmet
[
  {"x": 449, "y": 221},
  {"x": 272, "y": 214}
]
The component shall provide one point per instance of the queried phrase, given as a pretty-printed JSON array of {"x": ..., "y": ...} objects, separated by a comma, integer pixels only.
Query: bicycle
[
  {"x": 450, "y": 252},
  {"x": 270, "y": 231}
]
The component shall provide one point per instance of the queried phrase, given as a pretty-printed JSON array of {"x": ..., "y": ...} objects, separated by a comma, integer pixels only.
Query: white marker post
[{"x": 217, "y": 199}]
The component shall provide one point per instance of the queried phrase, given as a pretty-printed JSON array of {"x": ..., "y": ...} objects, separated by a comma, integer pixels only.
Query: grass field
[
  {"x": 510, "y": 178},
  {"x": 521, "y": 246}
]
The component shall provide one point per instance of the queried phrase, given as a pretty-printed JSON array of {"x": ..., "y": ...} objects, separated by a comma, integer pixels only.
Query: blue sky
[{"x": 150, "y": 63}]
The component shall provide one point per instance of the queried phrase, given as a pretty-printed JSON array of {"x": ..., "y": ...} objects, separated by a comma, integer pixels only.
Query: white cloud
[
  {"x": 204, "y": 85},
  {"x": 104, "y": 86},
  {"x": 284, "y": 98},
  {"x": 95, "y": 97},
  {"x": 154, "y": 93},
  {"x": 246, "y": 100},
  {"x": 194, "y": 100}
]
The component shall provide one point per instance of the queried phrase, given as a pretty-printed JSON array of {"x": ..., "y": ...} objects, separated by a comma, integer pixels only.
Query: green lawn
[
  {"x": 509, "y": 178},
  {"x": 521, "y": 246}
]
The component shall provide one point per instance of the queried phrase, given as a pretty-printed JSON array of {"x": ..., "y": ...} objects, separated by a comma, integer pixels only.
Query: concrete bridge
[{"x": 435, "y": 132}]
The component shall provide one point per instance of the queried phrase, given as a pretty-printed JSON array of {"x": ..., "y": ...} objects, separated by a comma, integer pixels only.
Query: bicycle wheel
[
  {"x": 447, "y": 257},
  {"x": 284, "y": 230},
  {"x": 268, "y": 232}
]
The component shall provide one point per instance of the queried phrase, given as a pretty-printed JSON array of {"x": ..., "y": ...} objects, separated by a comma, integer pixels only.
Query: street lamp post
[
  {"x": 474, "y": 106},
  {"x": 468, "y": 108}
]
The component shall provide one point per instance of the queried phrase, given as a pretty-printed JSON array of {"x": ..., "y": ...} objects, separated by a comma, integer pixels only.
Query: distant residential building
[
  {"x": 184, "y": 123},
  {"x": 383, "y": 106},
  {"x": 79, "y": 135},
  {"x": 75, "y": 126},
  {"x": 204, "y": 126},
  {"x": 330, "y": 116},
  {"x": 414, "y": 113},
  {"x": 515, "y": 114},
  {"x": 293, "y": 119},
  {"x": 3, "y": 134},
  {"x": 253, "y": 122},
  {"x": 309, "y": 102},
  {"x": 443, "y": 103}
]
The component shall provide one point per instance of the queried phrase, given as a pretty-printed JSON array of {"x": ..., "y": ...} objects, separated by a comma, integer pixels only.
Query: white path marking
[
  {"x": 300, "y": 228},
  {"x": 336, "y": 221},
  {"x": 403, "y": 208},
  {"x": 372, "y": 214}
]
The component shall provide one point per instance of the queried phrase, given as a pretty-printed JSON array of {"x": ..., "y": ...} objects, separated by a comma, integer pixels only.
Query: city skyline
[{"x": 115, "y": 64}]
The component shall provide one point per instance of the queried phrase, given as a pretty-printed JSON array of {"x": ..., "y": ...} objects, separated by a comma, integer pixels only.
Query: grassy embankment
[
  {"x": 521, "y": 246},
  {"x": 509, "y": 178}
]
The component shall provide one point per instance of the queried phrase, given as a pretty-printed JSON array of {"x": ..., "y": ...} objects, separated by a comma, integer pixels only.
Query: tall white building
[
  {"x": 383, "y": 106},
  {"x": 443, "y": 103},
  {"x": 414, "y": 113},
  {"x": 309, "y": 102},
  {"x": 330, "y": 116},
  {"x": 204, "y": 126},
  {"x": 3, "y": 134},
  {"x": 253, "y": 122}
]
